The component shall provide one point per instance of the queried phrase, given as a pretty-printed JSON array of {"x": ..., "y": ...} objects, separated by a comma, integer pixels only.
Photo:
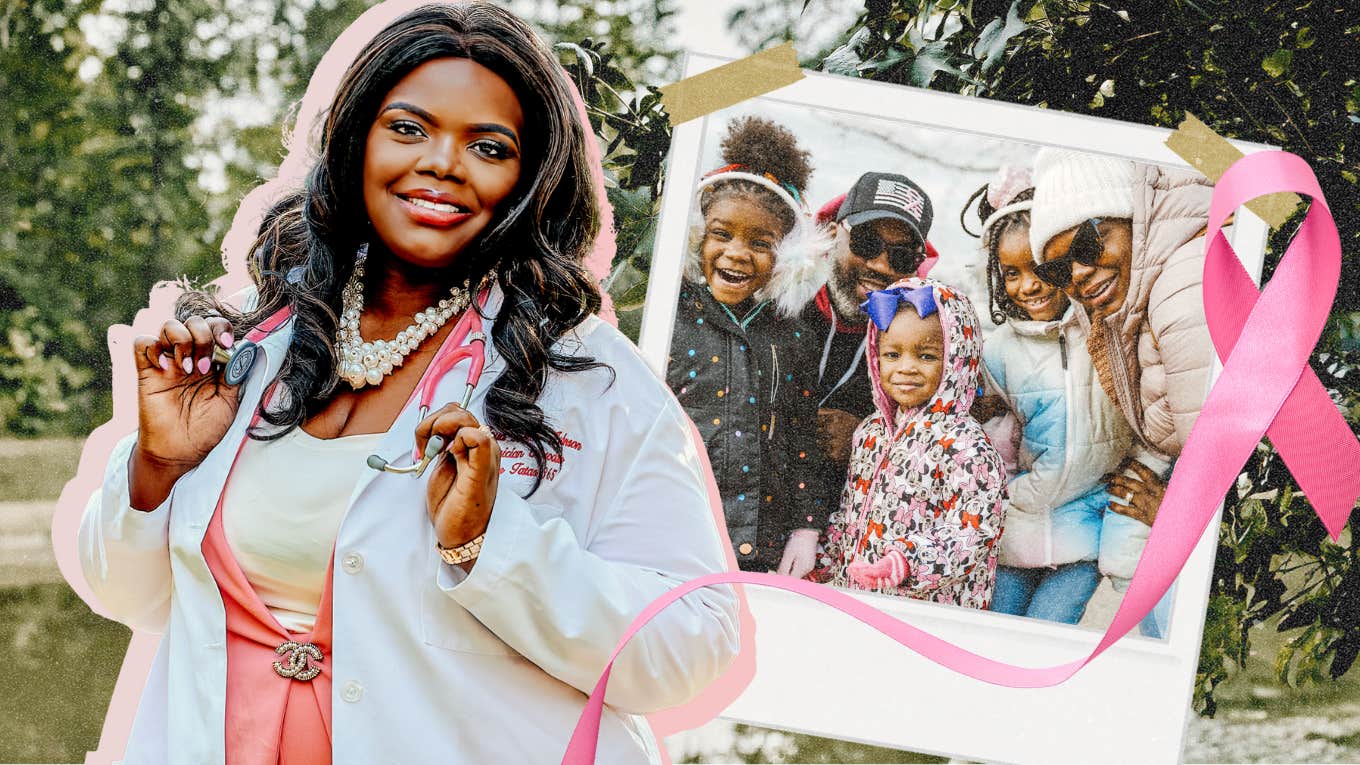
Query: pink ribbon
[
  {"x": 1266, "y": 387},
  {"x": 1313, "y": 439}
]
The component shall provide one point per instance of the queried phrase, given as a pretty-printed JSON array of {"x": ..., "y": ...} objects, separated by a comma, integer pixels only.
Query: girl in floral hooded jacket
[{"x": 922, "y": 506}]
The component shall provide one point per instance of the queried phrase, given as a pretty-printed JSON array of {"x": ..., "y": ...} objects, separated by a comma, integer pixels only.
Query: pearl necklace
[{"x": 364, "y": 363}]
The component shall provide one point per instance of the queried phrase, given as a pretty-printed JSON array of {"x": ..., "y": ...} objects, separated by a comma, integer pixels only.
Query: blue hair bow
[{"x": 882, "y": 305}]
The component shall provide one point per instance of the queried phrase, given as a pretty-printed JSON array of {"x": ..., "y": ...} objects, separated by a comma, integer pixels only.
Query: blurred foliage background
[{"x": 133, "y": 128}]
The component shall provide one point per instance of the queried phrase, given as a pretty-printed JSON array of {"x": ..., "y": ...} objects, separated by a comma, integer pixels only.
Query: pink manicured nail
[
  {"x": 188, "y": 366},
  {"x": 165, "y": 362},
  {"x": 204, "y": 364},
  {"x": 226, "y": 340}
]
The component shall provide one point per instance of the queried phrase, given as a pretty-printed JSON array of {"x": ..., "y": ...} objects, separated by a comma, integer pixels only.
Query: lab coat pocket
[{"x": 446, "y": 624}]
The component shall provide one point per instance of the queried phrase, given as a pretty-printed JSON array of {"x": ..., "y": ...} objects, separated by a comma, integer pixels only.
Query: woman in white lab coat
[{"x": 314, "y": 609}]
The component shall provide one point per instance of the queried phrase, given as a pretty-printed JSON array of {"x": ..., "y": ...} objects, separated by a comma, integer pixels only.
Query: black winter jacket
[
  {"x": 748, "y": 385},
  {"x": 839, "y": 360}
]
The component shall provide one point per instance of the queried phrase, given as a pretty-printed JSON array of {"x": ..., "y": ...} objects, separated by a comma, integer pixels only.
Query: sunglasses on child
[
  {"x": 1086, "y": 248},
  {"x": 866, "y": 243}
]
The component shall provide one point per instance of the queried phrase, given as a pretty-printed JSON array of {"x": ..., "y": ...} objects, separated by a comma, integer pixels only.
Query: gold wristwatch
[{"x": 463, "y": 553}]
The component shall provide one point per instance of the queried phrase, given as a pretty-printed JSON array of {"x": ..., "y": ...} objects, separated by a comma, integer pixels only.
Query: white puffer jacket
[{"x": 1072, "y": 435}]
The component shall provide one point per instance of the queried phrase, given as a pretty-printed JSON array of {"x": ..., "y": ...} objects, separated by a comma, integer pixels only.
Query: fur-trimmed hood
[{"x": 802, "y": 261}]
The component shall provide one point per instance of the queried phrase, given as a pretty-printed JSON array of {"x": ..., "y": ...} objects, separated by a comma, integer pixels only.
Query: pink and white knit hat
[{"x": 1008, "y": 182}]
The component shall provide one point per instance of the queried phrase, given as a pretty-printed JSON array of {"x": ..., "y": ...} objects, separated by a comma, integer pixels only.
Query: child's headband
[
  {"x": 882, "y": 305},
  {"x": 1003, "y": 212},
  {"x": 736, "y": 171},
  {"x": 1002, "y": 189}
]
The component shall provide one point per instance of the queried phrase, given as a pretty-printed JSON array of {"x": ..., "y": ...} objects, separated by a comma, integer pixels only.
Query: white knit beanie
[{"x": 1070, "y": 187}]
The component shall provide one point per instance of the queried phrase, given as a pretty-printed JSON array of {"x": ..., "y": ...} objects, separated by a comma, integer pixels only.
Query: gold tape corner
[
  {"x": 1211, "y": 154},
  {"x": 731, "y": 83}
]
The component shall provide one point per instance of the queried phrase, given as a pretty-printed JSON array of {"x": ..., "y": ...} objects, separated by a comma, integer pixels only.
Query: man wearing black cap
[{"x": 882, "y": 224}]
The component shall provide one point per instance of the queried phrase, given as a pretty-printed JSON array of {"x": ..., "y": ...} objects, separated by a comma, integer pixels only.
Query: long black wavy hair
[
  {"x": 999, "y": 304},
  {"x": 305, "y": 249}
]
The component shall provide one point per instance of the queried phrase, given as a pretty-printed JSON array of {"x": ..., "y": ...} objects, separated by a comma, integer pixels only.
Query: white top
[
  {"x": 429, "y": 662},
  {"x": 282, "y": 530}
]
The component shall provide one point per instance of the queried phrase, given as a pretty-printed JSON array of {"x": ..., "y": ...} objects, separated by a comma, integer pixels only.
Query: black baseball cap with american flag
[{"x": 887, "y": 195}]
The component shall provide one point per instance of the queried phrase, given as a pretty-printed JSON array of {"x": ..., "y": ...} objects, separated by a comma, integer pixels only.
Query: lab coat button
[
  {"x": 745, "y": 548},
  {"x": 352, "y": 692},
  {"x": 352, "y": 563}
]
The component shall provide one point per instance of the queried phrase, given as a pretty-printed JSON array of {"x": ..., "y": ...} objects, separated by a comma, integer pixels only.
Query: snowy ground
[
  {"x": 1323, "y": 735},
  {"x": 1251, "y": 735}
]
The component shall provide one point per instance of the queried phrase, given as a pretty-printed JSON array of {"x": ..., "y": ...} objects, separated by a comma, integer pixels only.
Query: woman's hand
[
  {"x": 987, "y": 407},
  {"x": 1143, "y": 492},
  {"x": 800, "y": 553},
  {"x": 183, "y": 407},
  {"x": 462, "y": 487}
]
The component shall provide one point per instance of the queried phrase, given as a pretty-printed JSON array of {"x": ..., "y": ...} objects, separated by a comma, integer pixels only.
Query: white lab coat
[{"x": 431, "y": 664}]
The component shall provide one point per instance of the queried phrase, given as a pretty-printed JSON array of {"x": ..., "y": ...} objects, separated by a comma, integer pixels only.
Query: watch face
[{"x": 241, "y": 361}]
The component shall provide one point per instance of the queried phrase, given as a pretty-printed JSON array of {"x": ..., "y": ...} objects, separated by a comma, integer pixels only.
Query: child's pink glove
[
  {"x": 888, "y": 571},
  {"x": 800, "y": 554}
]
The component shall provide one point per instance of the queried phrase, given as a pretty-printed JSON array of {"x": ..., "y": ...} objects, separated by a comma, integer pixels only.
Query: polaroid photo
[{"x": 959, "y": 452}]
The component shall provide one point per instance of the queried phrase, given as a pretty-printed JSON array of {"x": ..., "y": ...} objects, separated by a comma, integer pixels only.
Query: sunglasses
[
  {"x": 1086, "y": 248},
  {"x": 904, "y": 258}
]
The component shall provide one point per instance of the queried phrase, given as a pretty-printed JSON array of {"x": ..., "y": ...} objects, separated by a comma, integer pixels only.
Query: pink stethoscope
[{"x": 466, "y": 343}]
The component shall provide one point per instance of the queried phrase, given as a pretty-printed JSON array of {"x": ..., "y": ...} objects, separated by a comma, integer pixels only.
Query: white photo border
[{"x": 823, "y": 673}]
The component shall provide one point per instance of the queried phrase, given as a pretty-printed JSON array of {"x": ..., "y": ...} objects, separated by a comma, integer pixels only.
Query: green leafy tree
[
  {"x": 37, "y": 348},
  {"x": 634, "y": 133},
  {"x": 102, "y": 198},
  {"x": 759, "y": 24},
  {"x": 640, "y": 33}
]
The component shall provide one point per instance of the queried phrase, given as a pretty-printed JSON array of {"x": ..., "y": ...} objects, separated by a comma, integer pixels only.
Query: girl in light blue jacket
[{"x": 1069, "y": 433}]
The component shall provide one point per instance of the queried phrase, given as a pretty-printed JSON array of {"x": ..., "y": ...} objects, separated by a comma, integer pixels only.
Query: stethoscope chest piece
[{"x": 238, "y": 361}]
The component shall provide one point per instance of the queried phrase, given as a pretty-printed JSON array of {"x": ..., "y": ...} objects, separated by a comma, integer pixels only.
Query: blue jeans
[
  {"x": 1154, "y": 624},
  {"x": 1056, "y": 594}
]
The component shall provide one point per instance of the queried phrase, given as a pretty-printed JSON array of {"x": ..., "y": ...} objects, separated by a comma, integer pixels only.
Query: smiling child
[
  {"x": 737, "y": 361},
  {"x": 1070, "y": 432},
  {"x": 922, "y": 506}
]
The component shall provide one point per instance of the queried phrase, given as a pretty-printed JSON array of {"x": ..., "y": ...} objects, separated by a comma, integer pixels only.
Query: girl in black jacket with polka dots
[{"x": 740, "y": 359}]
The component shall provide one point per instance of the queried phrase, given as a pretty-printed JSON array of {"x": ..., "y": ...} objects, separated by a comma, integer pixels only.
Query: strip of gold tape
[
  {"x": 1211, "y": 154},
  {"x": 730, "y": 84}
]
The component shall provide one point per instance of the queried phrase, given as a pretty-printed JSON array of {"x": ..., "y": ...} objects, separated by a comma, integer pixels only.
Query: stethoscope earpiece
[{"x": 433, "y": 448}]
